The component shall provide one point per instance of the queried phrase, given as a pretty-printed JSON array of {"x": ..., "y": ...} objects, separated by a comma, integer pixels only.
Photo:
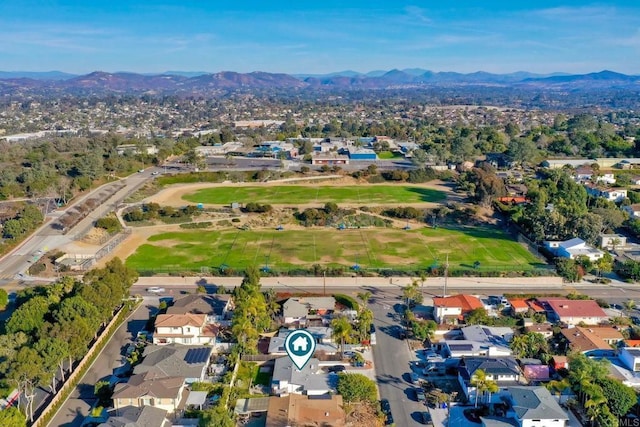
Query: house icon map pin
[{"x": 300, "y": 345}]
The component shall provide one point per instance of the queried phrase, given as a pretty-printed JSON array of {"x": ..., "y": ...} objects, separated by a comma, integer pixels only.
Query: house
[
  {"x": 298, "y": 410},
  {"x": 612, "y": 241},
  {"x": 131, "y": 416},
  {"x": 322, "y": 334},
  {"x": 536, "y": 373},
  {"x": 559, "y": 362},
  {"x": 535, "y": 306},
  {"x": 505, "y": 371},
  {"x": 136, "y": 149},
  {"x": 611, "y": 194},
  {"x": 454, "y": 307},
  {"x": 301, "y": 309},
  {"x": 573, "y": 248},
  {"x": 534, "y": 407},
  {"x": 630, "y": 357},
  {"x": 607, "y": 178},
  {"x": 633, "y": 210},
  {"x": 309, "y": 380},
  {"x": 217, "y": 308},
  {"x": 498, "y": 160},
  {"x": 583, "y": 173},
  {"x": 184, "y": 329},
  {"x": 187, "y": 361},
  {"x": 544, "y": 329},
  {"x": 149, "y": 389},
  {"x": 518, "y": 305},
  {"x": 575, "y": 311},
  {"x": 479, "y": 340},
  {"x": 586, "y": 339}
]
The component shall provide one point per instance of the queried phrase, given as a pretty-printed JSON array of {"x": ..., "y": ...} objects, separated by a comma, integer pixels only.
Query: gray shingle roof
[
  {"x": 531, "y": 403},
  {"x": 171, "y": 360}
]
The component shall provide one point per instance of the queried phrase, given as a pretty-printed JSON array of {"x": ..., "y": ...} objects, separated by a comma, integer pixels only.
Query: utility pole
[
  {"x": 446, "y": 275},
  {"x": 324, "y": 283}
]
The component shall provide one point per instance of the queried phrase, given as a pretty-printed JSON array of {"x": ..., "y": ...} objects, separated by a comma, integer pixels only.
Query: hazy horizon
[{"x": 156, "y": 36}]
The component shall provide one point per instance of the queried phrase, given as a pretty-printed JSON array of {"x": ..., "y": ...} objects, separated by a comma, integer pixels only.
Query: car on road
[
  {"x": 635, "y": 320},
  {"x": 155, "y": 173},
  {"x": 420, "y": 396},
  {"x": 336, "y": 368},
  {"x": 389, "y": 419},
  {"x": 348, "y": 353},
  {"x": 155, "y": 290}
]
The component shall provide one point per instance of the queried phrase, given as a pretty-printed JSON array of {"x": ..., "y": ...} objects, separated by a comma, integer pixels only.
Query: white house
[
  {"x": 534, "y": 407},
  {"x": 630, "y": 356},
  {"x": 454, "y": 307},
  {"x": 573, "y": 312},
  {"x": 480, "y": 340},
  {"x": 322, "y": 335},
  {"x": 607, "y": 178},
  {"x": 505, "y": 371},
  {"x": 310, "y": 380},
  {"x": 611, "y": 194},
  {"x": 186, "y": 328},
  {"x": 611, "y": 241},
  {"x": 573, "y": 248}
]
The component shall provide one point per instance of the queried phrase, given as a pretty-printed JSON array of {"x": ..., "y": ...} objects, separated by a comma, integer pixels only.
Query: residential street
[
  {"x": 391, "y": 358},
  {"x": 77, "y": 407}
]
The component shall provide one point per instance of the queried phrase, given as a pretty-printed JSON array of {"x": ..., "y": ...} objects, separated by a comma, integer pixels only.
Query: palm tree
[
  {"x": 342, "y": 330},
  {"x": 629, "y": 305},
  {"x": 483, "y": 384},
  {"x": 558, "y": 386},
  {"x": 594, "y": 406},
  {"x": 364, "y": 297}
]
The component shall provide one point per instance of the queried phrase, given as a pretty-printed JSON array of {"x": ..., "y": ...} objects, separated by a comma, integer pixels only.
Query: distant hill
[
  {"x": 199, "y": 82},
  {"x": 36, "y": 75}
]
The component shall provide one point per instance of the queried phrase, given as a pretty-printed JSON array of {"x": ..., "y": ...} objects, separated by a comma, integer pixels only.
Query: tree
[
  {"x": 102, "y": 390},
  {"x": 620, "y": 398},
  {"x": 4, "y": 299},
  {"x": 530, "y": 345},
  {"x": 216, "y": 417},
  {"x": 483, "y": 384},
  {"x": 342, "y": 330},
  {"x": 569, "y": 269},
  {"x": 356, "y": 388},
  {"x": 13, "y": 417},
  {"x": 412, "y": 294},
  {"x": 424, "y": 329},
  {"x": 26, "y": 372}
]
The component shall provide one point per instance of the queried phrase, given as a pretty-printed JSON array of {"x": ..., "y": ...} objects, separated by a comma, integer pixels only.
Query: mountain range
[{"x": 194, "y": 82}]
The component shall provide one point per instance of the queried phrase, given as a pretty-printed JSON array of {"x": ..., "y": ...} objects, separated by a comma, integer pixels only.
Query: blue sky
[{"x": 323, "y": 36}]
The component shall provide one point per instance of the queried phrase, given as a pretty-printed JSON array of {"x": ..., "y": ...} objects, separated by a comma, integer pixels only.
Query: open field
[
  {"x": 305, "y": 194},
  {"x": 374, "y": 248}
]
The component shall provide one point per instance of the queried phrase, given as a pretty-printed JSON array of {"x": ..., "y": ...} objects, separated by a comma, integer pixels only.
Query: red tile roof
[
  {"x": 465, "y": 302},
  {"x": 518, "y": 303},
  {"x": 576, "y": 308},
  {"x": 535, "y": 306}
]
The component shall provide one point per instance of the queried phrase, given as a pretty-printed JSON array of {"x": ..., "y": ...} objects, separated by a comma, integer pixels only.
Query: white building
[
  {"x": 186, "y": 328},
  {"x": 534, "y": 407},
  {"x": 310, "y": 380},
  {"x": 630, "y": 356},
  {"x": 573, "y": 248}
]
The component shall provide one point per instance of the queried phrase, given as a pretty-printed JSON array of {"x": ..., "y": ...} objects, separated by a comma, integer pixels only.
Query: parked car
[
  {"x": 348, "y": 353},
  {"x": 415, "y": 378},
  {"x": 155, "y": 290},
  {"x": 385, "y": 406},
  {"x": 389, "y": 420},
  {"x": 155, "y": 173},
  {"x": 336, "y": 368},
  {"x": 420, "y": 396},
  {"x": 635, "y": 320},
  {"x": 425, "y": 418}
]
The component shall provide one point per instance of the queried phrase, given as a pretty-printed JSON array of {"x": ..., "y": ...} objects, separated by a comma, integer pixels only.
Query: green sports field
[
  {"x": 301, "y": 194},
  {"x": 379, "y": 248}
]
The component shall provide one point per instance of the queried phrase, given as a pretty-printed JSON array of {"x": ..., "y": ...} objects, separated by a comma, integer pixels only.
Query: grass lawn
[
  {"x": 375, "y": 248},
  {"x": 387, "y": 155},
  {"x": 300, "y": 194}
]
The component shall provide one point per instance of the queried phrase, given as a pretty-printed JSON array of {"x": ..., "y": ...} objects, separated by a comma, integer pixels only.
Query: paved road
[
  {"x": 391, "y": 357},
  {"x": 49, "y": 236},
  {"x": 77, "y": 407}
]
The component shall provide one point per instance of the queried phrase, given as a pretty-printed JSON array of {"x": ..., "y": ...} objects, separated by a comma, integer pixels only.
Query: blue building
[{"x": 356, "y": 154}]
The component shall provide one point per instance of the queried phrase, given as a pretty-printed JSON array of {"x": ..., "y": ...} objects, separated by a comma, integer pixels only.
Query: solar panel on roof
[
  {"x": 197, "y": 355},
  {"x": 461, "y": 347}
]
